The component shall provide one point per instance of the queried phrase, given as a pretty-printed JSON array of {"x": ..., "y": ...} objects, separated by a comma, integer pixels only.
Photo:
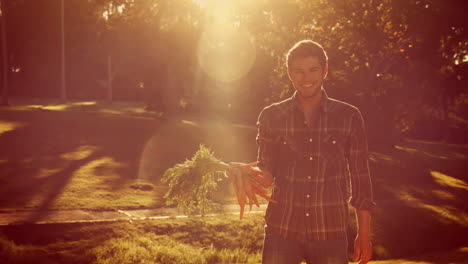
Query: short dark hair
[{"x": 305, "y": 48}]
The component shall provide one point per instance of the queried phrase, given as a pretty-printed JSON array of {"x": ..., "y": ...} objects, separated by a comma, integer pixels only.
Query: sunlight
[
  {"x": 85, "y": 103},
  {"x": 443, "y": 195},
  {"x": 6, "y": 126},
  {"x": 61, "y": 107},
  {"x": 410, "y": 150},
  {"x": 190, "y": 123},
  {"x": 102, "y": 169},
  {"x": 400, "y": 261},
  {"x": 449, "y": 213},
  {"x": 413, "y": 150},
  {"x": 109, "y": 111},
  {"x": 249, "y": 127},
  {"x": 444, "y": 212},
  {"x": 201, "y": 3},
  {"x": 446, "y": 180},
  {"x": 79, "y": 153},
  {"x": 44, "y": 172},
  {"x": 90, "y": 181},
  {"x": 380, "y": 157},
  {"x": 226, "y": 50},
  {"x": 113, "y": 9}
]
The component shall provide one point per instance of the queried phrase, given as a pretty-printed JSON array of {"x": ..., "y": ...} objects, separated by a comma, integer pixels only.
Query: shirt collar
[{"x": 323, "y": 100}]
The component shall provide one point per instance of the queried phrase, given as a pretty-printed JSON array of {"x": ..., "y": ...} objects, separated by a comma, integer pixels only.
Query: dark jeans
[{"x": 277, "y": 250}]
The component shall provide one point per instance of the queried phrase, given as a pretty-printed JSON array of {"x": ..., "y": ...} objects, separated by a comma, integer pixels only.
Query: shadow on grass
[
  {"x": 419, "y": 210},
  {"x": 40, "y": 155},
  {"x": 62, "y": 159}
]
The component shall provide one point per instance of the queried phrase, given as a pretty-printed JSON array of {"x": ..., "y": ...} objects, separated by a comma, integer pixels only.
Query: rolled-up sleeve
[
  {"x": 265, "y": 141},
  {"x": 361, "y": 184}
]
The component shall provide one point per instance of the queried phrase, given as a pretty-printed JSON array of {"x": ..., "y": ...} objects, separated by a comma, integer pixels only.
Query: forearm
[
  {"x": 362, "y": 243},
  {"x": 363, "y": 218}
]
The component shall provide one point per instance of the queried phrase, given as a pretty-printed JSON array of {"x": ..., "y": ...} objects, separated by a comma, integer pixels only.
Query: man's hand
[{"x": 362, "y": 249}]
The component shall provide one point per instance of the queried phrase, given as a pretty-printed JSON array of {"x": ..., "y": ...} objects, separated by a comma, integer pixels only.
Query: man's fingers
[
  {"x": 357, "y": 252},
  {"x": 365, "y": 254}
]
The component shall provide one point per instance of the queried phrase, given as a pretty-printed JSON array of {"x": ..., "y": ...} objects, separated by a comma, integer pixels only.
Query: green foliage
[
  {"x": 403, "y": 63},
  {"x": 223, "y": 232},
  {"x": 220, "y": 239},
  {"x": 151, "y": 248},
  {"x": 15, "y": 254},
  {"x": 192, "y": 182}
]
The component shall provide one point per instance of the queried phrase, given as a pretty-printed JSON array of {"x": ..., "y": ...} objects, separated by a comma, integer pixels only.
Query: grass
[
  {"x": 222, "y": 239},
  {"x": 420, "y": 190},
  {"x": 101, "y": 156},
  {"x": 96, "y": 156}
]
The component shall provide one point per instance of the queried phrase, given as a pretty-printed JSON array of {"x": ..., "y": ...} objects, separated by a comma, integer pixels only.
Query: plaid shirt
[{"x": 316, "y": 170}]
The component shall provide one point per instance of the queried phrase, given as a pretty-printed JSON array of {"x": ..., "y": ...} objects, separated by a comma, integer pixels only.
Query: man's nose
[{"x": 308, "y": 77}]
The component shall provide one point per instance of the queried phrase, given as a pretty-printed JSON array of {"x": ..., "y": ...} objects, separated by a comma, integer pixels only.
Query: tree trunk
[
  {"x": 4, "y": 95},
  {"x": 109, "y": 77},
  {"x": 63, "y": 89}
]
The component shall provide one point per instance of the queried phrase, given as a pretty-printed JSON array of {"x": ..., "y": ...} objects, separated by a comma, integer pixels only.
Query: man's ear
[{"x": 325, "y": 71}]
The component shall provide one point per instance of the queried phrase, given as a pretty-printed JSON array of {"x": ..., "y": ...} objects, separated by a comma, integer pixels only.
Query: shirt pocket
[
  {"x": 332, "y": 151},
  {"x": 287, "y": 149},
  {"x": 286, "y": 158}
]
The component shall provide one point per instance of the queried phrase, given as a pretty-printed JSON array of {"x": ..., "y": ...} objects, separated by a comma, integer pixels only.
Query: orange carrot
[
  {"x": 250, "y": 194},
  {"x": 255, "y": 200},
  {"x": 262, "y": 180},
  {"x": 263, "y": 194},
  {"x": 241, "y": 192},
  {"x": 237, "y": 178},
  {"x": 251, "y": 164}
]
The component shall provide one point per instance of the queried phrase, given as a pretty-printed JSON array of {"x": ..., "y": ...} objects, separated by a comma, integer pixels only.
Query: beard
[{"x": 310, "y": 92}]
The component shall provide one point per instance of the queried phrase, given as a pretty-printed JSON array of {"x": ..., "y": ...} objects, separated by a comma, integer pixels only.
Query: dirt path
[{"x": 84, "y": 216}]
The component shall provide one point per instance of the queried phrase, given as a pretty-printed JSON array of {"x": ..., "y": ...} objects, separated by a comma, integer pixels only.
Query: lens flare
[{"x": 226, "y": 53}]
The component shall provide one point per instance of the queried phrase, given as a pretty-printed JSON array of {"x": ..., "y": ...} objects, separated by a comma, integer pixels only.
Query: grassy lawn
[
  {"x": 100, "y": 156},
  {"x": 97, "y": 156},
  {"x": 221, "y": 239}
]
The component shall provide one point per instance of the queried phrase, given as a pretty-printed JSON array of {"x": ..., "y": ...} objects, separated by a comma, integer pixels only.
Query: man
[{"x": 315, "y": 149}]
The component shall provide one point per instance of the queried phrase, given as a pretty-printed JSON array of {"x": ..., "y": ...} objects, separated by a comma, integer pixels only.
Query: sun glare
[
  {"x": 200, "y": 3},
  {"x": 226, "y": 50}
]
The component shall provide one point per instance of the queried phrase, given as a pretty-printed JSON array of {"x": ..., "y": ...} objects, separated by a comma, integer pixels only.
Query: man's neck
[
  {"x": 310, "y": 104},
  {"x": 310, "y": 107}
]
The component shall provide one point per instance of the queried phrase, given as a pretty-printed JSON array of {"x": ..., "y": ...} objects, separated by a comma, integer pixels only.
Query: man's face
[{"x": 307, "y": 75}]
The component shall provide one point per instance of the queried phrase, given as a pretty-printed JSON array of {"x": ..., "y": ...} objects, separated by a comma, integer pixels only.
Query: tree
[{"x": 4, "y": 94}]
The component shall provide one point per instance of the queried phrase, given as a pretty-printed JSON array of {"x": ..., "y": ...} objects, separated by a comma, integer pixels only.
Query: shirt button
[
  {"x": 310, "y": 140},
  {"x": 311, "y": 158},
  {"x": 309, "y": 177},
  {"x": 308, "y": 195},
  {"x": 334, "y": 142},
  {"x": 284, "y": 142},
  {"x": 307, "y": 214}
]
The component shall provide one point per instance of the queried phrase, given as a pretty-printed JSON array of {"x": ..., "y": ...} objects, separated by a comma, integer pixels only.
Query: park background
[{"x": 100, "y": 97}]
